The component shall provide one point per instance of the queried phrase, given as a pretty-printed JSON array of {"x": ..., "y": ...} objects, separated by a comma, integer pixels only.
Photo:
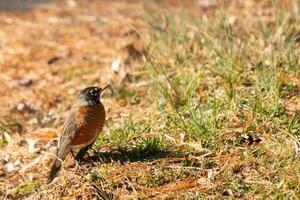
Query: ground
[{"x": 204, "y": 100}]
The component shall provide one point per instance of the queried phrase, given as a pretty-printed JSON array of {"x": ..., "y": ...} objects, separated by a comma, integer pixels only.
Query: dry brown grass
[{"x": 205, "y": 100}]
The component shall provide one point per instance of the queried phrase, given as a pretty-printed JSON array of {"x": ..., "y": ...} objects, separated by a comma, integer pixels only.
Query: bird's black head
[{"x": 91, "y": 94}]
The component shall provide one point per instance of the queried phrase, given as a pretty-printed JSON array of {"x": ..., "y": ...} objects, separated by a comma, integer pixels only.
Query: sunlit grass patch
[
  {"x": 24, "y": 189},
  {"x": 133, "y": 141},
  {"x": 242, "y": 105},
  {"x": 122, "y": 134}
]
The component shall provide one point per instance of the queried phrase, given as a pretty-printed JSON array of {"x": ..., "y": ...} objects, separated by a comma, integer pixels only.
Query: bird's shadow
[{"x": 125, "y": 155}]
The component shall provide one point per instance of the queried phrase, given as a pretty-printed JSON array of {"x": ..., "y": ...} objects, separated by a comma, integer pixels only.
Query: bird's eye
[{"x": 93, "y": 92}]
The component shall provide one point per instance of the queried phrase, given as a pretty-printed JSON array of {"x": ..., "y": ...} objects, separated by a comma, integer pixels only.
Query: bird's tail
[{"x": 56, "y": 166}]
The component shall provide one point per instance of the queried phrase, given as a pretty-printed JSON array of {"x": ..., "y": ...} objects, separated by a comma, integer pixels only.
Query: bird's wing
[{"x": 67, "y": 134}]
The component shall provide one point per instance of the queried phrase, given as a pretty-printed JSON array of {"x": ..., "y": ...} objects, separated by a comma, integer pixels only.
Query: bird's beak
[
  {"x": 102, "y": 89},
  {"x": 105, "y": 87}
]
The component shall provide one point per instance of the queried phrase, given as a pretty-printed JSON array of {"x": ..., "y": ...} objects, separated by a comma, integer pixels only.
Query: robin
[{"x": 85, "y": 121}]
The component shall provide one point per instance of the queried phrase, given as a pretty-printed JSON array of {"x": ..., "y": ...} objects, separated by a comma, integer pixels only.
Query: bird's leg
[
  {"x": 82, "y": 152},
  {"x": 76, "y": 161},
  {"x": 73, "y": 154},
  {"x": 77, "y": 165}
]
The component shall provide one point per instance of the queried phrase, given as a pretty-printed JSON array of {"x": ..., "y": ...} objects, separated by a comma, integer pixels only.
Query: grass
[
  {"x": 131, "y": 141},
  {"x": 217, "y": 117},
  {"x": 258, "y": 101},
  {"x": 24, "y": 189},
  {"x": 228, "y": 104}
]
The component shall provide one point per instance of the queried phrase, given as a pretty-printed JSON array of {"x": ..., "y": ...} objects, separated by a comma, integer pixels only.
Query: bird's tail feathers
[{"x": 56, "y": 166}]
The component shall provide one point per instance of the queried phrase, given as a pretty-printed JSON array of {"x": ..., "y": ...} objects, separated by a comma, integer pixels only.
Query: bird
[{"x": 81, "y": 128}]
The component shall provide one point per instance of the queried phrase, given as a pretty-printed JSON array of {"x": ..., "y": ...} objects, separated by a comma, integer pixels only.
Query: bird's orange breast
[{"x": 89, "y": 121}]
